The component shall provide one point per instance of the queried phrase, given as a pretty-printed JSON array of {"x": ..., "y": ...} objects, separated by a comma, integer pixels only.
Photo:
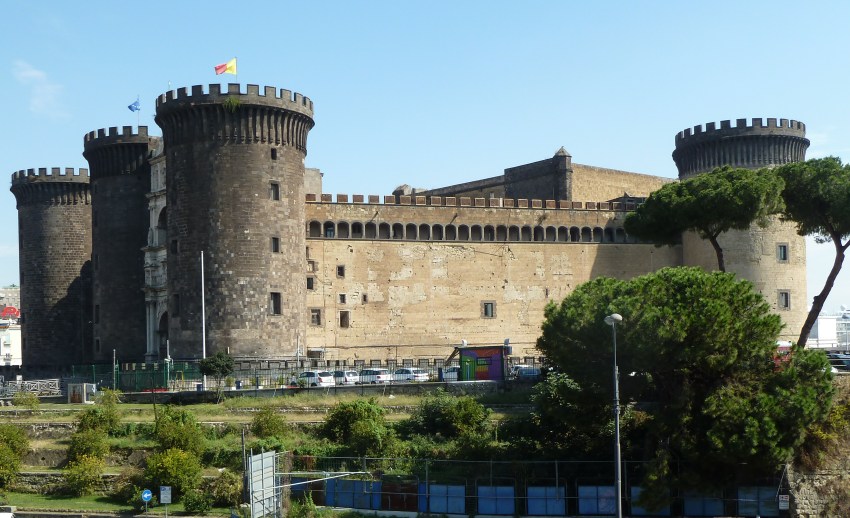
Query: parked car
[
  {"x": 373, "y": 376},
  {"x": 346, "y": 377},
  {"x": 515, "y": 368},
  {"x": 451, "y": 373},
  {"x": 316, "y": 379},
  {"x": 530, "y": 374},
  {"x": 839, "y": 361},
  {"x": 411, "y": 374}
]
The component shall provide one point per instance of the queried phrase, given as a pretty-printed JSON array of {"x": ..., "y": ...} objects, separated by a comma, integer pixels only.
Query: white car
[
  {"x": 346, "y": 377},
  {"x": 373, "y": 376},
  {"x": 316, "y": 379},
  {"x": 451, "y": 373},
  {"x": 411, "y": 374}
]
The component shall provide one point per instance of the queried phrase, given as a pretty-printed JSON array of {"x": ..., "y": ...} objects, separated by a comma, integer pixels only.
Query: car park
[
  {"x": 316, "y": 379},
  {"x": 346, "y": 377},
  {"x": 411, "y": 374},
  {"x": 373, "y": 376}
]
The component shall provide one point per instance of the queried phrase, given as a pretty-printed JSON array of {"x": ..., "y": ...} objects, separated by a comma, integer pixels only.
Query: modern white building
[
  {"x": 10, "y": 343},
  {"x": 831, "y": 331}
]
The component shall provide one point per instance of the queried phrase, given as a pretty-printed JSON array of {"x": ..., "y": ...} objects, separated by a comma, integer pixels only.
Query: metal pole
[
  {"x": 203, "y": 321},
  {"x": 612, "y": 321}
]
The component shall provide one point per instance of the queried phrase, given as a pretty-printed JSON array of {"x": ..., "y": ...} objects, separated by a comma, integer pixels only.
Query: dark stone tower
[
  {"x": 235, "y": 191},
  {"x": 120, "y": 181},
  {"x": 772, "y": 258},
  {"x": 54, "y": 232}
]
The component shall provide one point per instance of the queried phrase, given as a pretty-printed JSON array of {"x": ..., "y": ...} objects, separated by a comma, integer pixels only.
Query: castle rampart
[
  {"x": 235, "y": 192},
  {"x": 120, "y": 181},
  {"x": 54, "y": 228}
]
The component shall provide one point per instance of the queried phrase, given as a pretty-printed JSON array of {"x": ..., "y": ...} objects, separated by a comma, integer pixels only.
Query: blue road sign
[{"x": 146, "y": 495}]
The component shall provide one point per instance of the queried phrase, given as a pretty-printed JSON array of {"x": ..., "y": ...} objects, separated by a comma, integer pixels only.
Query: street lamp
[{"x": 612, "y": 321}]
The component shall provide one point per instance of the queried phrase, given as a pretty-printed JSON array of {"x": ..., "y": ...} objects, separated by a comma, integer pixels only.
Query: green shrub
[
  {"x": 176, "y": 468},
  {"x": 371, "y": 438},
  {"x": 197, "y": 502},
  {"x": 128, "y": 488},
  {"x": 10, "y": 464},
  {"x": 15, "y": 438},
  {"x": 268, "y": 423},
  {"x": 307, "y": 509},
  {"x": 83, "y": 475},
  {"x": 26, "y": 400},
  {"x": 226, "y": 490},
  {"x": 178, "y": 428},
  {"x": 343, "y": 416},
  {"x": 104, "y": 415},
  {"x": 92, "y": 443},
  {"x": 441, "y": 414}
]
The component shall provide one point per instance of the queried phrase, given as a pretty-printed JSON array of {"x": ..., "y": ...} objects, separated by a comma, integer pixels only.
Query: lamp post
[{"x": 612, "y": 321}]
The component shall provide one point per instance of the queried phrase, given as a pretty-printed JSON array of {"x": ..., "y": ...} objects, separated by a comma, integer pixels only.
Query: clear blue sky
[{"x": 439, "y": 92}]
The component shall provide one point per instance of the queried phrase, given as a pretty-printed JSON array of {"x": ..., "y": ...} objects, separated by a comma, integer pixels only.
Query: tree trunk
[
  {"x": 721, "y": 263},
  {"x": 820, "y": 298}
]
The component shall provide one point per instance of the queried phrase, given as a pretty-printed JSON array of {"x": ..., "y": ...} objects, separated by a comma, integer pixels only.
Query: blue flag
[{"x": 135, "y": 106}]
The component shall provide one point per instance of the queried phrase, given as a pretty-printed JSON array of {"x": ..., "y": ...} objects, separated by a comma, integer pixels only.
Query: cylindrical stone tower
[
  {"x": 54, "y": 232},
  {"x": 120, "y": 182},
  {"x": 772, "y": 258},
  {"x": 235, "y": 191}
]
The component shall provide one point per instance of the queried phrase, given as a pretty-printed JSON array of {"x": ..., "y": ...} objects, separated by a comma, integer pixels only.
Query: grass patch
[{"x": 60, "y": 503}]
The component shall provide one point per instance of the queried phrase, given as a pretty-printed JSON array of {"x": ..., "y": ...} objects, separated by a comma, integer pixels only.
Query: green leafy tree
[
  {"x": 15, "y": 438},
  {"x": 708, "y": 204},
  {"x": 817, "y": 199},
  {"x": 700, "y": 351},
  {"x": 83, "y": 475},
  {"x": 91, "y": 443},
  {"x": 176, "y": 468},
  {"x": 360, "y": 425},
  {"x": 178, "y": 428},
  {"x": 226, "y": 489},
  {"x": 219, "y": 366},
  {"x": 444, "y": 415},
  {"x": 268, "y": 423},
  {"x": 104, "y": 415},
  {"x": 26, "y": 400},
  {"x": 10, "y": 465}
]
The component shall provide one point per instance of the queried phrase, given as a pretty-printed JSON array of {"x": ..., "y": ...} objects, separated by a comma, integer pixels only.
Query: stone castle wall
[
  {"x": 599, "y": 183},
  {"x": 409, "y": 298}
]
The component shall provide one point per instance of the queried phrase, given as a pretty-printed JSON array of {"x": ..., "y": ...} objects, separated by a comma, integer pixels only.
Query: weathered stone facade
[{"x": 54, "y": 231}]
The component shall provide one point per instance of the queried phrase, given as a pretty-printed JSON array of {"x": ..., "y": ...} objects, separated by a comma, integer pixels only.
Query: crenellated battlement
[
  {"x": 750, "y": 145},
  {"x": 270, "y": 96},
  {"x": 468, "y": 202},
  {"x": 53, "y": 174},
  {"x": 756, "y": 127},
  {"x": 113, "y": 135}
]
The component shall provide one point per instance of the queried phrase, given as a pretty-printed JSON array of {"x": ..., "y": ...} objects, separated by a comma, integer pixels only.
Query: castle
[{"x": 113, "y": 258}]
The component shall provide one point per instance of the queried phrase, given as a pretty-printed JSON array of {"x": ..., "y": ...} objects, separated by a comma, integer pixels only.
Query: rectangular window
[
  {"x": 782, "y": 252},
  {"x": 275, "y": 244},
  {"x": 274, "y": 303},
  {"x": 488, "y": 309},
  {"x": 342, "y": 298},
  {"x": 174, "y": 248},
  {"x": 274, "y": 191},
  {"x": 97, "y": 345},
  {"x": 344, "y": 319},
  {"x": 340, "y": 271},
  {"x": 175, "y": 305},
  {"x": 311, "y": 283},
  {"x": 97, "y": 313},
  {"x": 274, "y": 154},
  {"x": 312, "y": 266},
  {"x": 315, "y": 317},
  {"x": 364, "y": 298},
  {"x": 784, "y": 299}
]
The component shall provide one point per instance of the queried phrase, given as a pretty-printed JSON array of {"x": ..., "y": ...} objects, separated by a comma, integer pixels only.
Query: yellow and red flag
[{"x": 226, "y": 68}]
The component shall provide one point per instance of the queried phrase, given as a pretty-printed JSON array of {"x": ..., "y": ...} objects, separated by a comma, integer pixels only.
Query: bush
[
  {"x": 92, "y": 443},
  {"x": 268, "y": 423},
  {"x": 176, "y": 468},
  {"x": 226, "y": 490},
  {"x": 129, "y": 486},
  {"x": 178, "y": 428},
  {"x": 83, "y": 476},
  {"x": 343, "y": 416},
  {"x": 105, "y": 415},
  {"x": 197, "y": 502},
  {"x": 26, "y": 400},
  {"x": 10, "y": 464},
  {"x": 15, "y": 439},
  {"x": 307, "y": 509},
  {"x": 443, "y": 415}
]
